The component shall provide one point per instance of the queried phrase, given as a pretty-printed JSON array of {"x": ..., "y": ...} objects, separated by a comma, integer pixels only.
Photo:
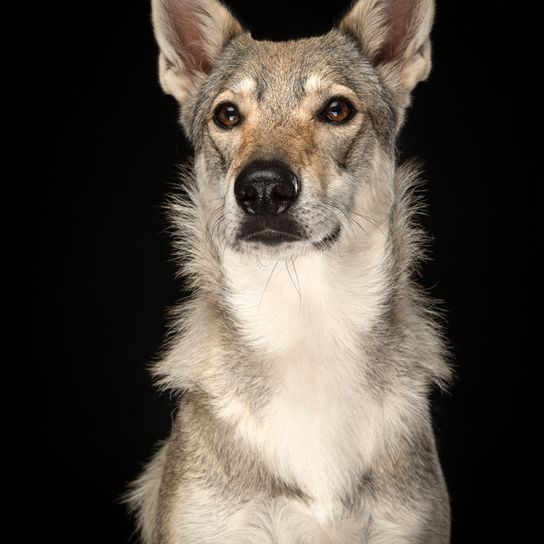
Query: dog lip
[
  {"x": 330, "y": 239},
  {"x": 271, "y": 236}
]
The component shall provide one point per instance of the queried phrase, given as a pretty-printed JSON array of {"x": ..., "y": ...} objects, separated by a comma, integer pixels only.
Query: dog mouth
[
  {"x": 272, "y": 237},
  {"x": 271, "y": 231},
  {"x": 275, "y": 233}
]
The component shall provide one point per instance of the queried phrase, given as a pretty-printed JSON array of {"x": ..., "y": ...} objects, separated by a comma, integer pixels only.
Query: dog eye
[
  {"x": 337, "y": 111},
  {"x": 226, "y": 115}
]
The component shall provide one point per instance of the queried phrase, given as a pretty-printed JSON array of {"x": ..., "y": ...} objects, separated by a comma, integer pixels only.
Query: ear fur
[
  {"x": 190, "y": 34},
  {"x": 395, "y": 38}
]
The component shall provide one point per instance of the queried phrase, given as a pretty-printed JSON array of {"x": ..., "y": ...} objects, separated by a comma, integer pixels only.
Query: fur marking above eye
[
  {"x": 226, "y": 115},
  {"x": 338, "y": 110}
]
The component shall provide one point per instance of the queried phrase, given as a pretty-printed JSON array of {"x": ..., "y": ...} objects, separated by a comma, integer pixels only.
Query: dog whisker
[
  {"x": 292, "y": 280},
  {"x": 268, "y": 281},
  {"x": 347, "y": 215},
  {"x": 298, "y": 283},
  {"x": 366, "y": 218}
]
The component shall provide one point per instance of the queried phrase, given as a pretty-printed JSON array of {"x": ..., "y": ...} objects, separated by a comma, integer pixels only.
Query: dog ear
[
  {"x": 190, "y": 34},
  {"x": 395, "y": 38}
]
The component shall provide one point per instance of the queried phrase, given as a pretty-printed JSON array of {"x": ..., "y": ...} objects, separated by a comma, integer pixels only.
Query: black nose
[{"x": 266, "y": 187}]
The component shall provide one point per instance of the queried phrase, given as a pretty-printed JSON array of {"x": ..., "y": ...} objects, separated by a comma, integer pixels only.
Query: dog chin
[{"x": 273, "y": 247}]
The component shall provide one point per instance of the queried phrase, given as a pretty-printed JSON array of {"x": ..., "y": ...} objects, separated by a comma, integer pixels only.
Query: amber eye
[
  {"x": 337, "y": 111},
  {"x": 226, "y": 115}
]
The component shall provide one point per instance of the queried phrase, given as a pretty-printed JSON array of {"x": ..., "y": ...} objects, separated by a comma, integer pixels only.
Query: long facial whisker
[
  {"x": 225, "y": 229},
  {"x": 350, "y": 219},
  {"x": 343, "y": 219},
  {"x": 216, "y": 224},
  {"x": 219, "y": 233},
  {"x": 292, "y": 280},
  {"x": 366, "y": 218},
  {"x": 293, "y": 259},
  {"x": 213, "y": 219},
  {"x": 221, "y": 239},
  {"x": 268, "y": 281},
  {"x": 330, "y": 215},
  {"x": 354, "y": 221}
]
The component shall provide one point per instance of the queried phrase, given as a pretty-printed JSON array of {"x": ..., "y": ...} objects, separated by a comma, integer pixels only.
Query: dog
[{"x": 306, "y": 353}]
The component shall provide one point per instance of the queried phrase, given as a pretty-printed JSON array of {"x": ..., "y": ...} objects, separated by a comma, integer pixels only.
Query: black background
[{"x": 102, "y": 276}]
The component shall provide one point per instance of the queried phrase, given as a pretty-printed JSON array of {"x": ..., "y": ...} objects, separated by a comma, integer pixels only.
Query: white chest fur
[{"x": 321, "y": 427}]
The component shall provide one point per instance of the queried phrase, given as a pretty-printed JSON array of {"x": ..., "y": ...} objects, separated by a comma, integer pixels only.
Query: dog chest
[{"x": 321, "y": 426}]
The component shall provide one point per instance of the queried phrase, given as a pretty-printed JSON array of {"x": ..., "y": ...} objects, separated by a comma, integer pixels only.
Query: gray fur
[{"x": 214, "y": 480}]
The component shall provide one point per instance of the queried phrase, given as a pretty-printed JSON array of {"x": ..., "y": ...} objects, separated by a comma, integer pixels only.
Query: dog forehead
[{"x": 291, "y": 69}]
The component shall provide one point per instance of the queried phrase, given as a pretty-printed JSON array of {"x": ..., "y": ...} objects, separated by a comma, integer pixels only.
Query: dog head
[{"x": 294, "y": 141}]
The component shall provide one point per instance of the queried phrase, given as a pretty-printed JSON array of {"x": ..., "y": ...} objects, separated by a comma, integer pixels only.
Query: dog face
[
  {"x": 294, "y": 140},
  {"x": 287, "y": 137}
]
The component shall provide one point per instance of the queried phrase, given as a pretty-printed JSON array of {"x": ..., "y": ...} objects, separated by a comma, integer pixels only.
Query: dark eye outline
[
  {"x": 218, "y": 110},
  {"x": 323, "y": 116}
]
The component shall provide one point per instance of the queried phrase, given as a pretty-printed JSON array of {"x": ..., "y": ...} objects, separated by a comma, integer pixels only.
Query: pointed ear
[
  {"x": 190, "y": 34},
  {"x": 394, "y": 36}
]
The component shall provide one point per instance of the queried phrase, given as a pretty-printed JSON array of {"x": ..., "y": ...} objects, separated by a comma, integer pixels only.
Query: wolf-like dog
[{"x": 306, "y": 352}]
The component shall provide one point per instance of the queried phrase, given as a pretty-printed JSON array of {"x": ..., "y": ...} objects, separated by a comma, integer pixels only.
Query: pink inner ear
[
  {"x": 185, "y": 18},
  {"x": 195, "y": 51},
  {"x": 400, "y": 21}
]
